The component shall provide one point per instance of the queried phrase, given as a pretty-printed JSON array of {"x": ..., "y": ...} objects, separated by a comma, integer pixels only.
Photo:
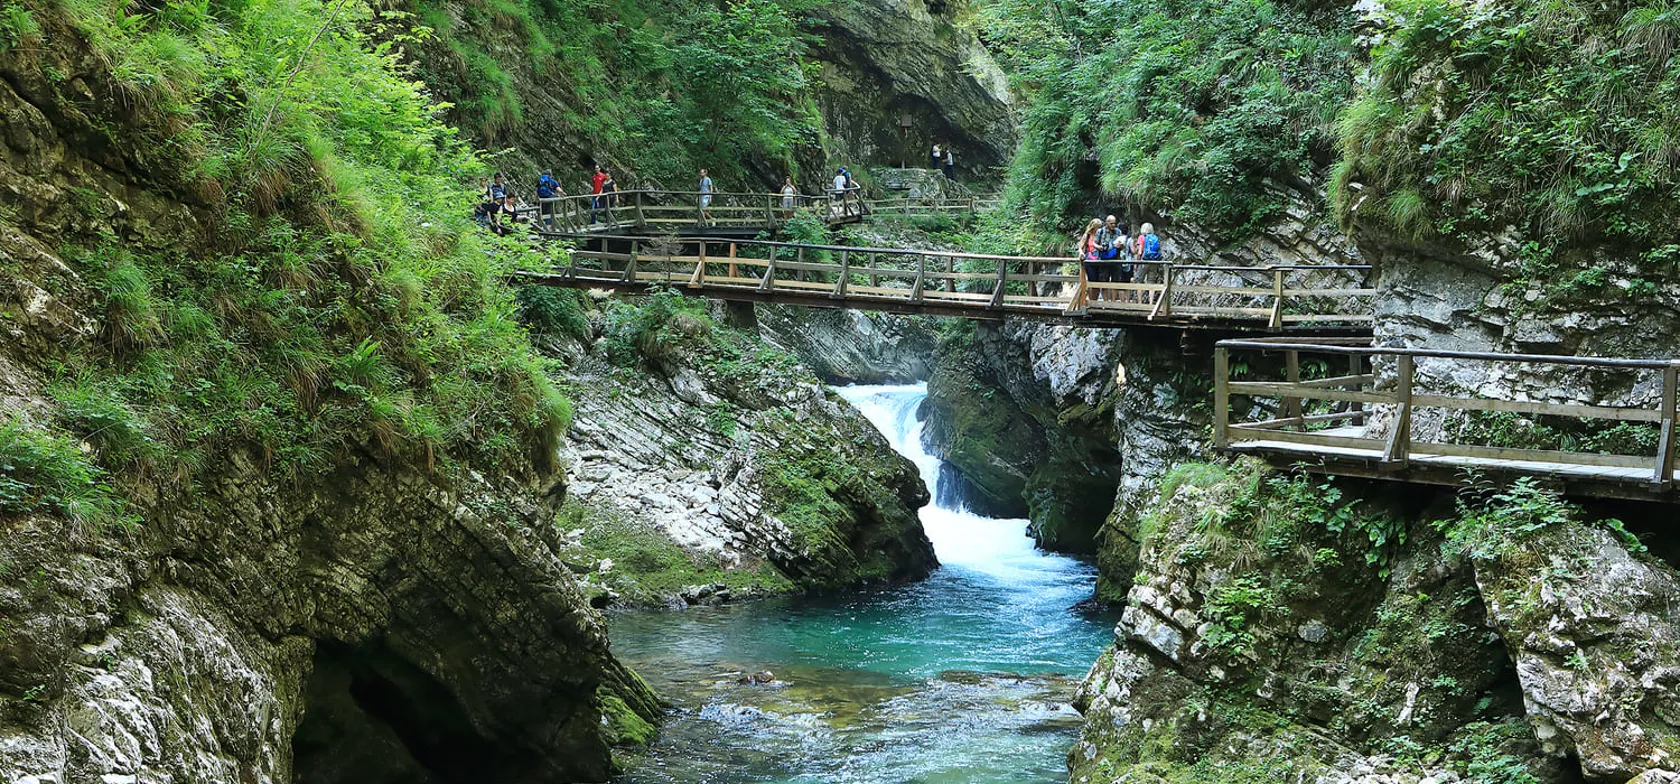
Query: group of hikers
[
  {"x": 498, "y": 208},
  {"x": 1107, "y": 250}
]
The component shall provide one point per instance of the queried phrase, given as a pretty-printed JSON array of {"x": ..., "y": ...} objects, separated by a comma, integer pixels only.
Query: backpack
[
  {"x": 1151, "y": 248},
  {"x": 545, "y": 187}
]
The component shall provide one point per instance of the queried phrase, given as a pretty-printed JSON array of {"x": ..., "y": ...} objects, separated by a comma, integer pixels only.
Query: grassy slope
[{"x": 335, "y": 294}]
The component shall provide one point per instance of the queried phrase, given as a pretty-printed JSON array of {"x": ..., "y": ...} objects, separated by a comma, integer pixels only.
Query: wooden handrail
[{"x": 1289, "y": 433}]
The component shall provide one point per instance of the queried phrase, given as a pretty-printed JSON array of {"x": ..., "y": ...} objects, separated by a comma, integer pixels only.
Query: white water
[{"x": 999, "y": 548}]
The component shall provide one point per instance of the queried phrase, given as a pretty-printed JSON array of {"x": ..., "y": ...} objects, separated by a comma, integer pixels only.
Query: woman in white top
[{"x": 788, "y": 192}]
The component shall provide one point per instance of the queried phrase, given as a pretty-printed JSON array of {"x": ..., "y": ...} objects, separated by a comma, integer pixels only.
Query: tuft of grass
[{"x": 42, "y": 472}]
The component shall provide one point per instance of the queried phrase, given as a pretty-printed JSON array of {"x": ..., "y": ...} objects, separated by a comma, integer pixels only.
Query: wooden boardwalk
[
  {"x": 650, "y": 211},
  {"x": 1329, "y": 300},
  {"x": 1343, "y": 422}
]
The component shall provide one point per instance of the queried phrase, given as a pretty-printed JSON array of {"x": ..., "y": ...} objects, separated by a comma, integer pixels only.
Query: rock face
[
  {"x": 722, "y": 449},
  {"x": 1594, "y": 635},
  {"x": 884, "y": 61},
  {"x": 1262, "y": 644},
  {"x": 851, "y": 346},
  {"x": 379, "y": 624},
  {"x": 1024, "y": 414}
]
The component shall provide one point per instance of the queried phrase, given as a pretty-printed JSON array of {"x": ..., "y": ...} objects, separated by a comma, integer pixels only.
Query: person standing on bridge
[
  {"x": 1147, "y": 245},
  {"x": 705, "y": 198},
  {"x": 936, "y": 159},
  {"x": 609, "y": 195},
  {"x": 548, "y": 189},
  {"x": 950, "y": 164},
  {"x": 1090, "y": 264},
  {"x": 595, "y": 201},
  {"x": 789, "y": 193},
  {"x": 1110, "y": 241}
]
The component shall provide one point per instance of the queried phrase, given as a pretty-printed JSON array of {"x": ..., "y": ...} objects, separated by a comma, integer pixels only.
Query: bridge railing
[
  {"x": 1053, "y": 285},
  {"x": 1332, "y": 405},
  {"x": 654, "y": 210}
]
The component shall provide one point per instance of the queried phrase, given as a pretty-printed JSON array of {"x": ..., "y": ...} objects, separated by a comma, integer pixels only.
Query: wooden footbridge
[
  {"x": 1326, "y": 300},
  {"x": 654, "y": 211},
  {"x": 1330, "y": 413}
]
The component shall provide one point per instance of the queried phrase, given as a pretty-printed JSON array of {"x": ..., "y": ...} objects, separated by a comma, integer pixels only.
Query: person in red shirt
[{"x": 595, "y": 183}]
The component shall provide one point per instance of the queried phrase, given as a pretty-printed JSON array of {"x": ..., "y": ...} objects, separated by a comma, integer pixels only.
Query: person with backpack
[
  {"x": 936, "y": 159},
  {"x": 1111, "y": 243},
  {"x": 1148, "y": 245},
  {"x": 705, "y": 198},
  {"x": 548, "y": 190}
]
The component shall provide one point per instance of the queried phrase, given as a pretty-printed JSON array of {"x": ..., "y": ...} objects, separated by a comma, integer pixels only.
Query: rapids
[{"x": 963, "y": 677}]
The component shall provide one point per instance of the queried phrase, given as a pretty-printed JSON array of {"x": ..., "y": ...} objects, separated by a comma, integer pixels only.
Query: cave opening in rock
[{"x": 372, "y": 717}]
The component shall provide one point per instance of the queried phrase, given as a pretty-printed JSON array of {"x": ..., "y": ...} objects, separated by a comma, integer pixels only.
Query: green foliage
[
  {"x": 665, "y": 86},
  {"x": 17, "y": 24},
  {"x": 1556, "y": 116},
  {"x": 1488, "y": 526},
  {"x": 547, "y": 310},
  {"x": 1507, "y": 429},
  {"x": 1191, "y": 107},
  {"x": 1231, "y": 612},
  {"x": 342, "y": 298},
  {"x": 638, "y": 330},
  {"x": 1490, "y": 753},
  {"x": 41, "y": 472}
]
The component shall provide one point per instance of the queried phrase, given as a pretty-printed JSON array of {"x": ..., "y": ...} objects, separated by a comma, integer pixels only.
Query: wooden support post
[
  {"x": 630, "y": 268},
  {"x": 770, "y": 211},
  {"x": 1163, "y": 301},
  {"x": 1663, "y": 479},
  {"x": 733, "y": 271},
  {"x": 768, "y": 282},
  {"x": 921, "y": 274},
  {"x": 845, "y": 274},
  {"x": 641, "y": 219},
  {"x": 799, "y": 258},
  {"x": 1399, "y": 446},
  {"x": 950, "y": 267},
  {"x": 1002, "y": 279},
  {"x": 1221, "y": 397},
  {"x": 874, "y": 280},
  {"x": 1356, "y": 367},
  {"x": 1277, "y": 299},
  {"x": 698, "y": 279},
  {"x": 1292, "y": 405}
]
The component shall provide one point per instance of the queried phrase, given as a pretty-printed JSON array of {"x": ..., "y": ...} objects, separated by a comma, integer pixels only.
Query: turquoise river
[{"x": 963, "y": 677}]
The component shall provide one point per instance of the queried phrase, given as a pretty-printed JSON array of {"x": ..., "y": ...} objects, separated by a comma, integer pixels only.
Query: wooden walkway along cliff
[
  {"x": 1328, "y": 414},
  {"x": 679, "y": 212},
  {"x": 1311, "y": 300}
]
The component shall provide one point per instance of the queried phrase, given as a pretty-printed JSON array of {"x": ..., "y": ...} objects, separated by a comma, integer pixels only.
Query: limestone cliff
[
  {"x": 708, "y": 465},
  {"x": 1025, "y": 417},
  {"x": 219, "y": 561}
]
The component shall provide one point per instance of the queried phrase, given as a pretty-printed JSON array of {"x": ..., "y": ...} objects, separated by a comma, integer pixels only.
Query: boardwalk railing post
[
  {"x": 1163, "y": 305},
  {"x": 1292, "y": 405},
  {"x": 845, "y": 274},
  {"x": 630, "y": 267},
  {"x": 921, "y": 275},
  {"x": 1664, "y": 475},
  {"x": 1399, "y": 447},
  {"x": 1356, "y": 368},
  {"x": 641, "y": 219},
  {"x": 699, "y": 277},
  {"x": 1221, "y": 397},
  {"x": 1002, "y": 280},
  {"x": 734, "y": 272},
  {"x": 768, "y": 283},
  {"x": 950, "y": 267},
  {"x": 1277, "y": 299}
]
